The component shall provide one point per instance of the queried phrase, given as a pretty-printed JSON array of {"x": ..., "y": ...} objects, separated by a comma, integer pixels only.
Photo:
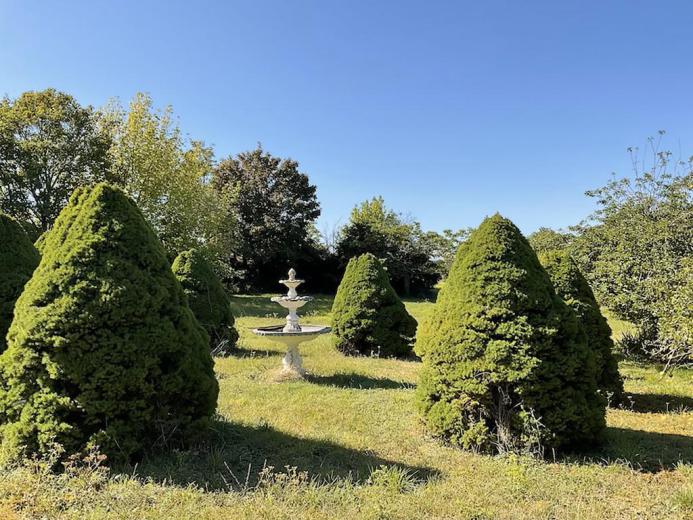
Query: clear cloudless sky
[{"x": 451, "y": 110}]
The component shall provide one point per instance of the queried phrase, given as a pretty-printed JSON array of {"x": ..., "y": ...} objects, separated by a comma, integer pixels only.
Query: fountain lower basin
[{"x": 292, "y": 334}]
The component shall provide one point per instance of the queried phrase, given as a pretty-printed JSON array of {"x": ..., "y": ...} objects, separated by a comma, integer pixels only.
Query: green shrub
[
  {"x": 675, "y": 345},
  {"x": 367, "y": 315},
  {"x": 207, "y": 299},
  {"x": 18, "y": 259},
  {"x": 572, "y": 286},
  {"x": 506, "y": 365},
  {"x": 103, "y": 349}
]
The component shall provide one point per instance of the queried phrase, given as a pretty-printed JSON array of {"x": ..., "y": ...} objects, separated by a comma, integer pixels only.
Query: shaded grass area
[
  {"x": 347, "y": 443},
  {"x": 237, "y": 454}
]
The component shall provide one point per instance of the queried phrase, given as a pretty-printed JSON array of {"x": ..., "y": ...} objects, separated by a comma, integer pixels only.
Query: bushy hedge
[
  {"x": 573, "y": 288},
  {"x": 104, "y": 349},
  {"x": 207, "y": 299},
  {"x": 367, "y": 315},
  {"x": 675, "y": 347},
  {"x": 18, "y": 259},
  {"x": 506, "y": 365}
]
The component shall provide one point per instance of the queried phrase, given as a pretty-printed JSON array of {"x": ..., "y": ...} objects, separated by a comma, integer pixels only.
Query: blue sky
[{"x": 449, "y": 110}]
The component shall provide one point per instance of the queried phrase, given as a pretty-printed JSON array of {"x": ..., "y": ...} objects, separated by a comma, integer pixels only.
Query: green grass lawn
[{"x": 346, "y": 443}]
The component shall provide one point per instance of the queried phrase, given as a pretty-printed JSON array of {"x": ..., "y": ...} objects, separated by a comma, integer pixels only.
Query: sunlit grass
[{"x": 347, "y": 443}]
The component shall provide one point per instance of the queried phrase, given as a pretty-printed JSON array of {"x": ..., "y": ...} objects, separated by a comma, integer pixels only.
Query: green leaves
[
  {"x": 18, "y": 259},
  {"x": 49, "y": 145},
  {"x": 103, "y": 348},
  {"x": 368, "y": 317},
  {"x": 505, "y": 365},
  {"x": 207, "y": 298},
  {"x": 573, "y": 288}
]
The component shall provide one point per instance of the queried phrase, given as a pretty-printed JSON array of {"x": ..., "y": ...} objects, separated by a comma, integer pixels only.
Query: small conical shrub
[
  {"x": 572, "y": 286},
  {"x": 368, "y": 317},
  {"x": 103, "y": 350},
  {"x": 18, "y": 259},
  {"x": 506, "y": 365},
  {"x": 207, "y": 299}
]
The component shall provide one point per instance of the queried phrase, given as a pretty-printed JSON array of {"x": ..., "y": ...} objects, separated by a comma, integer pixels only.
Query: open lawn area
[{"x": 347, "y": 443}]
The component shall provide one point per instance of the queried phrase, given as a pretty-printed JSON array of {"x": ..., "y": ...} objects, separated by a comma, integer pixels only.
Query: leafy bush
[
  {"x": 103, "y": 349},
  {"x": 506, "y": 365},
  {"x": 633, "y": 247},
  {"x": 572, "y": 286},
  {"x": 367, "y": 315},
  {"x": 676, "y": 320},
  {"x": 207, "y": 299},
  {"x": 18, "y": 259}
]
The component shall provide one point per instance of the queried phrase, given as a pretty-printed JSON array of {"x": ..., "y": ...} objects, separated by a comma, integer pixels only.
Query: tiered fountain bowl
[{"x": 292, "y": 334}]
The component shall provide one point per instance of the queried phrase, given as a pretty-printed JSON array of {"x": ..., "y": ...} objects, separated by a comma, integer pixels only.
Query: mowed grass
[{"x": 347, "y": 443}]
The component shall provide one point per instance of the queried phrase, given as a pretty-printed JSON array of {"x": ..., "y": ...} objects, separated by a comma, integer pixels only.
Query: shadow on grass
[
  {"x": 237, "y": 454},
  {"x": 647, "y": 452},
  {"x": 255, "y": 353},
  {"x": 261, "y": 306},
  {"x": 355, "y": 380},
  {"x": 657, "y": 403}
]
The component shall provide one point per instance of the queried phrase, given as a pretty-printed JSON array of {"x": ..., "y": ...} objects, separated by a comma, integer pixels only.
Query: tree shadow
[
  {"x": 254, "y": 353},
  {"x": 354, "y": 380},
  {"x": 261, "y": 306},
  {"x": 647, "y": 452},
  {"x": 236, "y": 454},
  {"x": 657, "y": 403}
]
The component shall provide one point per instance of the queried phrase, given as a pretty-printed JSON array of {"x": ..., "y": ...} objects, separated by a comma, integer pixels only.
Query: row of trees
[{"x": 252, "y": 214}]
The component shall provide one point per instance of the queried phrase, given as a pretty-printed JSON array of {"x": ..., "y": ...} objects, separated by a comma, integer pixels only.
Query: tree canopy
[
  {"x": 166, "y": 175},
  {"x": 399, "y": 244},
  {"x": 49, "y": 145},
  {"x": 272, "y": 205}
]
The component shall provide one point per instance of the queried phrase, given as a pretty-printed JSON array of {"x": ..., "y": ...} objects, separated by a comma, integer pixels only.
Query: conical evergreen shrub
[
  {"x": 506, "y": 365},
  {"x": 103, "y": 349},
  {"x": 573, "y": 288},
  {"x": 207, "y": 299},
  {"x": 367, "y": 315},
  {"x": 18, "y": 259}
]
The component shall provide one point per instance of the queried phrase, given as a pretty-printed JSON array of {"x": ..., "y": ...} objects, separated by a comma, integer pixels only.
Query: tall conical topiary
[
  {"x": 207, "y": 299},
  {"x": 506, "y": 365},
  {"x": 572, "y": 286},
  {"x": 18, "y": 259},
  {"x": 367, "y": 315},
  {"x": 103, "y": 349}
]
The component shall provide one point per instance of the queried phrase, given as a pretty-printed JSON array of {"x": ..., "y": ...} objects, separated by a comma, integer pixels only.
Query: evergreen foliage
[
  {"x": 207, "y": 298},
  {"x": 573, "y": 288},
  {"x": 103, "y": 350},
  {"x": 506, "y": 365},
  {"x": 367, "y": 315},
  {"x": 18, "y": 259}
]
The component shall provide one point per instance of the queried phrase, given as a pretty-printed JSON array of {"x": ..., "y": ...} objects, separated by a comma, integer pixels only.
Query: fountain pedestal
[{"x": 293, "y": 333}]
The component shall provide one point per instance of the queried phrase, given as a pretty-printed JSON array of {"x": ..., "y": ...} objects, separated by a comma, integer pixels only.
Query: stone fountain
[{"x": 292, "y": 334}]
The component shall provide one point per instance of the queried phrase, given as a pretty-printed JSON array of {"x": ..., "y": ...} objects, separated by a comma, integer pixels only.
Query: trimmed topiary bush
[
  {"x": 572, "y": 286},
  {"x": 367, "y": 315},
  {"x": 18, "y": 259},
  {"x": 506, "y": 365},
  {"x": 207, "y": 299},
  {"x": 103, "y": 350}
]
